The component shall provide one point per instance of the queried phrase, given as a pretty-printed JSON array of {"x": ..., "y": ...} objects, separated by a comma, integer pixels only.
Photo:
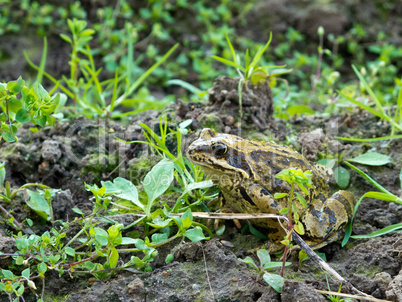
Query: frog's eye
[{"x": 219, "y": 149}]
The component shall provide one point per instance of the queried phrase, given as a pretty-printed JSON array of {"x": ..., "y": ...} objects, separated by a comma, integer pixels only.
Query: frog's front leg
[
  {"x": 266, "y": 203},
  {"x": 263, "y": 199},
  {"x": 325, "y": 221}
]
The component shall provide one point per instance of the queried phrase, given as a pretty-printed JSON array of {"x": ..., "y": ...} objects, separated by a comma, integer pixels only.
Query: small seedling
[
  {"x": 265, "y": 264},
  {"x": 21, "y": 104},
  {"x": 301, "y": 179}
]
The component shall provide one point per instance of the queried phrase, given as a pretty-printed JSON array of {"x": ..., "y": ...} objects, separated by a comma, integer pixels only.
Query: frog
[{"x": 245, "y": 170}]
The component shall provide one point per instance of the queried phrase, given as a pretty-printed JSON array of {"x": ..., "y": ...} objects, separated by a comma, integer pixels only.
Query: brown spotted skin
[{"x": 245, "y": 172}]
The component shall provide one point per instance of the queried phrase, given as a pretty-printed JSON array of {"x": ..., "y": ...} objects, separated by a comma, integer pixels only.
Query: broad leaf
[
  {"x": 39, "y": 204},
  {"x": 342, "y": 177},
  {"x": 123, "y": 189},
  {"x": 275, "y": 281},
  {"x": 194, "y": 235},
  {"x": 157, "y": 181},
  {"x": 372, "y": 159}
]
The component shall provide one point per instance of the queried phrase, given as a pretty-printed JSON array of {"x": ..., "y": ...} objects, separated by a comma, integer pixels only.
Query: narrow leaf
[{"x": 383, "y": 231}]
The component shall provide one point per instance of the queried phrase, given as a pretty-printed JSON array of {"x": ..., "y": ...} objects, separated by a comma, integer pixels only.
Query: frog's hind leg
[{"x": 324, "y": 222}]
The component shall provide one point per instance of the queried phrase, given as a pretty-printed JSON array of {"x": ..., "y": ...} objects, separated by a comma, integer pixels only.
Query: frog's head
[{"x": 220, "y": 154}]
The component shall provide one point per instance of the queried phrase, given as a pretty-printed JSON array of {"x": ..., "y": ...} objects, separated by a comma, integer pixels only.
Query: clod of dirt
[
  {"x": 7, "y": 245},
  {"x": 51, "y": 151},
  {"x": 382, "y": 279},
  {"x": 299, "y": 291},
  {"x": 189, "y": 252},
  {"x": 312, "y": 143},
  {"x": 136, "y": 287},
  {"x": 394, "y": 292},
  {"x": 62, "y": 203},
  {"x": 256, "y": 101}
]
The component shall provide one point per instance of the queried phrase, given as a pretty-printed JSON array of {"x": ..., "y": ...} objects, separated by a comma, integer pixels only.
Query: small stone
[
  {"x": 394, "y": 292},
  {"x": 383, "y": 279},
  {"x": 136, "y": 286},
  {"x": 51, "y": 151}
]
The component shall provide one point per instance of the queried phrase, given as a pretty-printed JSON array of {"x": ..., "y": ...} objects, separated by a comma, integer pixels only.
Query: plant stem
[{"x": 14, "y": 221}]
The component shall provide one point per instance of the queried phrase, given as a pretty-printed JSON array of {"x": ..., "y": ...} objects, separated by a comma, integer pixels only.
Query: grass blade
[
  {"x": 368, "y": 178},
  {"x": 227, "y": 62},
  {"x": 369, "y": 90},
  {"x": 383, "y": 231},
  {"x": 352, "y": 139},
  {"x": 232, "y": 51},
  {"x": 261, "y": 51},
  {"x": 42, "y": 64},
  {"x": 139, "y": 81}
]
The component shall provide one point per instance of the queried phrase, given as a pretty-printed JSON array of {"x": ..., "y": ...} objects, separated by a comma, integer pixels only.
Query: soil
[{"x": 78, "y": 150}]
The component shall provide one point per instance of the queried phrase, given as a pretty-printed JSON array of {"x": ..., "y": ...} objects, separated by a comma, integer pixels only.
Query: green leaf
[
  {"x": 15, "y": 87},
  {"x": 328, "y": 162},
  {"x": 124, "y": 189},
  {"x": 128, "y": 240},
  {"x": 342, "y": 177},
  {"x": 280, "y": 195},
  {"x": 66, "y": 38},
  {"x": 2, "y": 174},
  {"x": 14, "y": 105},
  {"x": 263, "y": 256},
  {"x": 372, "y": 159},
  {"x": 159, "y": 223},
  {"x": 7, "y": 274},
  {"x": 169, "y": 258},
  {"x": 301, "y": 199},
  {"x": 78, "y": 211},
  {"x": 3, "y": 117},
  {"x": 383, "y": 231},
  {"x": 25, "y": 273},
  {"x": 157, "y": 181},
  {"x": 70, "y": 251},
  {"x": 42, "y": 268},
  {"x": 39, "y": 204},
  {"x": 299, "y": 228},
  {"x": 275, "y": 281},
  {"x": 158, "y": 237},
  {"x": 249, "y": 261},
  {"x": 6, "y": 133},
  {"x": 400, "y": 178},
  {"x": 22, "y": 116},
  {"x": 227, "y": 62},
  {"x": 299, "y": 109},
  {"x": 113, "y": 257},
  {"x": 194, "y": 235},
  {"x": 368, "y": 178}
]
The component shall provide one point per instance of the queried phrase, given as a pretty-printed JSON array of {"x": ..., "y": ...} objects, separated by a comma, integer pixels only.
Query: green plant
[
  {"x": 393, "y": 118},
  {"x": 342, "y": 176},
  {"x": 91, "y": 95},
  {"x": 251, "y": 70},
  {"x": 21, "y": 104},
  {"x": 265, "y": 264},
  {"x": 384, "y": 194},
  {"x": 188, "y": 176},
  {"x": 49, "y": 251},
  {"x": 295, "y": 177},
  {"x": 36, "y": 202},
  {"x": 334, "y": 298}
]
